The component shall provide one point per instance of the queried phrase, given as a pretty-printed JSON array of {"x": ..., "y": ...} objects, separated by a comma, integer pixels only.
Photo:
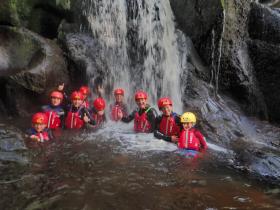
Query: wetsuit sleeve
[
  {"x": 157, "y": 133},
  {"x": 129, "y": 118},
  {"x": 86, "y": 111},
  {"x": 151, "y": 115},
  {"x": 201, "y": 139}
]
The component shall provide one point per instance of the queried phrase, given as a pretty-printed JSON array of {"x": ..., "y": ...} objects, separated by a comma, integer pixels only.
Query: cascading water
[{"x": 139, "y": 42}]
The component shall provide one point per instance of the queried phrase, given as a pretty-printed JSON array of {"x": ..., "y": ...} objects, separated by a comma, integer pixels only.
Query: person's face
[
  {"x": 39, "y": 127},
  {"x": 55, "y": 101},
  {"x": 77, "y": 102},
  {"x": 166, "y": 110},
  {"x": 187, "y": 125},
  {"x": 141, "y": 103},
  {"x": 100, "y": 112},
  {"x": 119, "y": 98}
]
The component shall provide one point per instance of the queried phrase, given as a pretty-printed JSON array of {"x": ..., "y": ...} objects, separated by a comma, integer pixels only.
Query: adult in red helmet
[
  {"x": 39, "y": 132},
  {"x": 54, "y": 111},
  {"x": 77, "y": 114},
  {"x": 119, "y": 108},
  {"x": 98, "y": 112},
  {"x": 86, "y": 92},
  {"x": 167, "y": 124},
  {"x": 144, "y": 116}
]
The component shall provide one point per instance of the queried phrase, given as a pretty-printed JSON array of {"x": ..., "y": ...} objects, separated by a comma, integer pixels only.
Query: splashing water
[{"x": 140, "y": 44}]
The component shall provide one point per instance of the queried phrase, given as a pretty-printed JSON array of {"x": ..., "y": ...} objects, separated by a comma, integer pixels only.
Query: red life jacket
[
  {"x": 168, "y": 126},
  {"x": 73, "y": 120},
  {"x": 53, "y": 120},
  {"x": 191, "y": 139},
  {"x": 141, "y": 123},
  {"x": 43, "y": 136},
  {"x": 99, "y": 119},
  {"x": 114, "y": 112}
]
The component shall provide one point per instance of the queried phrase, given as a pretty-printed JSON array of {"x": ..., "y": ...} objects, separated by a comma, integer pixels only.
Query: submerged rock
[{"x": 12, "y": 145}]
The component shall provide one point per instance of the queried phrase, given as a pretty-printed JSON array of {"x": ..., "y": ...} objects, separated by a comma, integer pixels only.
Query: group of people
[{"x": 79, "y": 113}]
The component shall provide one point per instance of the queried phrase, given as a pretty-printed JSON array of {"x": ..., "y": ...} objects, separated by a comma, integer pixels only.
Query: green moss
[
  {"x": 223, "y": 4},
  {"x": 65, "y": 4}
]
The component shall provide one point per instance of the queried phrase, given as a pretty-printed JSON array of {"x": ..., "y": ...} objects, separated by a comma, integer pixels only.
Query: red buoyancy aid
[
  {"x": 43, "y": 136},
  {"x": 168, "y": 126},
  {"x": 53, "y": 120},
  {"x": 115, "y": 110},
  {"x": 192, "y": 139},
  {"x": 73, "y": 120},
  {"x": 141, "y": 122},
  {"x": 99, "y": 119}
]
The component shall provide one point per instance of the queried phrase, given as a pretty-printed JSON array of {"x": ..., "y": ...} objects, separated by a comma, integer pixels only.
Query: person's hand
[
  {"x": 120, "y": 114},
  {"x": 35, "y": 138},
  {"x": 174, "y": 139},
  {"x": 86, "y": 118},
  {"x": 60, "y": 87},
  {"x": 100, "y": 90}
]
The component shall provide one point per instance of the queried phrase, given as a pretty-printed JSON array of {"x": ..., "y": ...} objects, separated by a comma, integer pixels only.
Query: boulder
[{"x": 30, "y": 66}]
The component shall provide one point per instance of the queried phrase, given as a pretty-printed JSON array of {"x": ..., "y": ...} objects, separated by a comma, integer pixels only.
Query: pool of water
[{"x": 117, "y": 169}]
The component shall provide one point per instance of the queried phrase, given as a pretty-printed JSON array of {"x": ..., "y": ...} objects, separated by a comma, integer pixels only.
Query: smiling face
[
  {"x": 55, "y": 101},
  {"x": 39, "y": 127},
  {"x": 77, "y": 102},
  {"x": 166, "y": 110},
  {"x": 141, "y": 103},
  {"x": 119, "y": 98},
  {"x": 188, "y": 125}
]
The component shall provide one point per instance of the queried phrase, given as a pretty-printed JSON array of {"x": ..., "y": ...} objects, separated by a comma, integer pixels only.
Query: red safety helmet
[
  {"x": 99, "y": 104},
  {"x": 40, "y": 118},
  {"x": 56, "y": 94},
  {"x": 77, "y": 95},
  {"x": 140, "y": 94},
  {"x": 119, "y": 91},
  {"x": 164, "y": 101},
  {"x": 84, "y": 90}
]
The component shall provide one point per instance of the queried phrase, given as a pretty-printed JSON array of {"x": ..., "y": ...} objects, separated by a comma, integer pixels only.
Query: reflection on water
[{"x": 116, "y": 169}]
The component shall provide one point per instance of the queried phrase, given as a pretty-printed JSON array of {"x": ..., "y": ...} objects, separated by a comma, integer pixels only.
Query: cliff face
[{"x": 229, "y": 36}]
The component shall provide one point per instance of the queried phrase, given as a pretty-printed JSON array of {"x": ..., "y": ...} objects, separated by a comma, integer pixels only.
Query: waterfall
[
  {"x": 215, "y": 63},
  {"x": 139, "y": 42}
]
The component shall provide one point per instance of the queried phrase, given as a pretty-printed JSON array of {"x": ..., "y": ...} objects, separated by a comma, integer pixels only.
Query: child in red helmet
[
  {"x": 168, "y": 124},
  {"x": 39, "y": 131},
  {"x": 54, "y": 111},
  {"x": 98, "y": 112},
  {"x": 119, "y": 108},
  {"x": 191, "y": 141},
  {"x": 144, "y": 116},
  {"x": 77, "y": 114},
  {"x": 86, "y": 92}
]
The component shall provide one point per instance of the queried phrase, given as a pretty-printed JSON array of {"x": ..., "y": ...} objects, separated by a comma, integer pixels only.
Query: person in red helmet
[
  {"x": 54, "y": 111},
  {"x": 77, "y": 114},
  {"x": 144, "y": 116},
  {"x": 119, "y": 108},
  {"x": 168, "y": 124},
  {"x": 86, "y": 92},
  {"x": 98, "y": 113},
  {"x": 39, "y": 131}
]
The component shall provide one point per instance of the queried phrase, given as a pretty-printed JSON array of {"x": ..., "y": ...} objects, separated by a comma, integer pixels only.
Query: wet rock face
[
  {"x": 30, "y": 66},
  {"x": 266, "y": 59},
  {"x": 264, "y": 24},
  {"x": 196, "y": 18},
  {"x": 42, "y": 17}
]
